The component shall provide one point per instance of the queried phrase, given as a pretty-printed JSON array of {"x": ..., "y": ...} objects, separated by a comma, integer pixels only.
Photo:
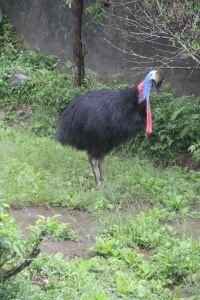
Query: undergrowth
[
  {"x": 119, "y": 270},
  {"x": 175, "y": 128}
]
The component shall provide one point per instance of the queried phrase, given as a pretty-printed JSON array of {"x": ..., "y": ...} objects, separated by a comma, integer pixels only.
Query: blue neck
[{"x": 147, "y": 88}]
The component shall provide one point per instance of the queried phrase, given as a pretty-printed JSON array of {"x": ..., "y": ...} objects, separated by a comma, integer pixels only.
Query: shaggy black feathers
[{"x": 100, "y": 120}]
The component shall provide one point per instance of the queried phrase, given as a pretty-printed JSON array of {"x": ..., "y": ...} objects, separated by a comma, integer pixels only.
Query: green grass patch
[{"x": 40, "y": 171}]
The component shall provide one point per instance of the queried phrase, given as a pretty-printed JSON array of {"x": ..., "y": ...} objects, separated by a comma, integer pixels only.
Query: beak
[{"x": 158, "y": 78}]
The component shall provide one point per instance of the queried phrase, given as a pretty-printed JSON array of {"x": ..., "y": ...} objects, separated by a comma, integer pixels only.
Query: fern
[{"x": 176, "y": 113}]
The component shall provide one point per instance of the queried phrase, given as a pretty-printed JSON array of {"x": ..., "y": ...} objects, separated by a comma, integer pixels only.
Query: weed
[{"x": 17, "y": 253}]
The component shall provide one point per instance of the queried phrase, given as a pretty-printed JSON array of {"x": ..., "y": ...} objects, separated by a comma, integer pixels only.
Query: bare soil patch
[
  {"x": 82, "y": 222},
  {"x": 86, "y": 227}
]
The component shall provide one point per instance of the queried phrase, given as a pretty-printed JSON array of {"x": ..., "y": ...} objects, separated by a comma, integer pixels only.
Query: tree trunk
[{"x": 78, "y": 53}]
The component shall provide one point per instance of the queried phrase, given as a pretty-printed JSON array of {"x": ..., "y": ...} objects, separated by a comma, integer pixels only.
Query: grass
[{"x": 40, "y": 171}]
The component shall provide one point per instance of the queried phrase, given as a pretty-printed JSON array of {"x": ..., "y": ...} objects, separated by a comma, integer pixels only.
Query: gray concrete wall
[{"x": 46, "y": 26}]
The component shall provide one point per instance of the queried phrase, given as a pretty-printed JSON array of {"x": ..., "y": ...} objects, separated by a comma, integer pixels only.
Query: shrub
[
  {"x": 195, "y": 150},
  {"x": 175, "y": 128}
]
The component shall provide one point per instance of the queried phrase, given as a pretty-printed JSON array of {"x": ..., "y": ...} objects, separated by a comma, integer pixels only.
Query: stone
[{"x": 16, "y": 78}]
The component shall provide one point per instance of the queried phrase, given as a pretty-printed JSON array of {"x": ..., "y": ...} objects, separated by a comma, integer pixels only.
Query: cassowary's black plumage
[{"x": 100, "y": 120}]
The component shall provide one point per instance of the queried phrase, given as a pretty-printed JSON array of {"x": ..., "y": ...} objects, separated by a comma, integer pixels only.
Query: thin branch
[
  {"x": 154, "y": 23},
  {"x": 22, "y": 266}
]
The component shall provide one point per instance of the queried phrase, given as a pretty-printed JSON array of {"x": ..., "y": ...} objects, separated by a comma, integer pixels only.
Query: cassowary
[{"x": 100, "y": 120}]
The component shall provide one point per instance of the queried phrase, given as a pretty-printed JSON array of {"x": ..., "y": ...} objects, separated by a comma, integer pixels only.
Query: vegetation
[
  {"x": 175, "y": 128},
  {"x": 139, "y": 253},
  {"x": 17, "y": 253}
]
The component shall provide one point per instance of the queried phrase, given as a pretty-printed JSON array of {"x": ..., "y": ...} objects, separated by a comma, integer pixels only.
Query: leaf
[
  {"x": 176, "y": 113},
  {"x": 69, "y": 3},
  {"x": 122, "y": 284},
  {"x": 18, "y": 250},
  {"x": 55, "y": 216},
  {"x": 196, "y": 7},
  {"x": 100, "y": 295}
]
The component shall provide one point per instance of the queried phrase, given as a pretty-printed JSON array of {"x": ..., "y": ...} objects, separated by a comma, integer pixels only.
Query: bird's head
[{"x": 155, "y": 77}]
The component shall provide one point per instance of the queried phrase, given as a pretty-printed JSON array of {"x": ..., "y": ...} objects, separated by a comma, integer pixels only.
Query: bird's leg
[
  {"x": 100, "y": 162},
  {"x": 96, "y": 165}
]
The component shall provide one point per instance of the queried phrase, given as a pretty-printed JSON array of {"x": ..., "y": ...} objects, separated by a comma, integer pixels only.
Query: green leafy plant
[
  {"x": 195, "y": 150},
  {"x": 96, "y": 9},
  {"x": 17, "y": 253},
  {"x": 175, "y": 128},
  {"x": 171, "y": 258}
]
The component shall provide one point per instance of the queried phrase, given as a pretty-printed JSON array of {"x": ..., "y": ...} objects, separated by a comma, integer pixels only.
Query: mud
[{"x": 81, "y": 222}]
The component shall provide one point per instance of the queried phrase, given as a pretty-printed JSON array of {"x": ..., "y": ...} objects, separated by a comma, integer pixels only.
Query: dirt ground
[
  {"x": 82, "y": 222},
  {"x": 86, "y": 228}
]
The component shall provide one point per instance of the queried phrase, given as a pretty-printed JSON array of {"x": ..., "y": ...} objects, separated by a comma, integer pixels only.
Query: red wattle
[{"x": 149, "y": 119}]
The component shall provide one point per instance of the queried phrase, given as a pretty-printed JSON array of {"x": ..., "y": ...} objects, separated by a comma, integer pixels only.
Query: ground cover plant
[
  {"x": 139, "y": 253},
  {"x": 17, "y": 253}
]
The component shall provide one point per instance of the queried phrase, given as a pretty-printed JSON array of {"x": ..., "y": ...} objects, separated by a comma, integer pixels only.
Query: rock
[{"x": 16, "y": 78}]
